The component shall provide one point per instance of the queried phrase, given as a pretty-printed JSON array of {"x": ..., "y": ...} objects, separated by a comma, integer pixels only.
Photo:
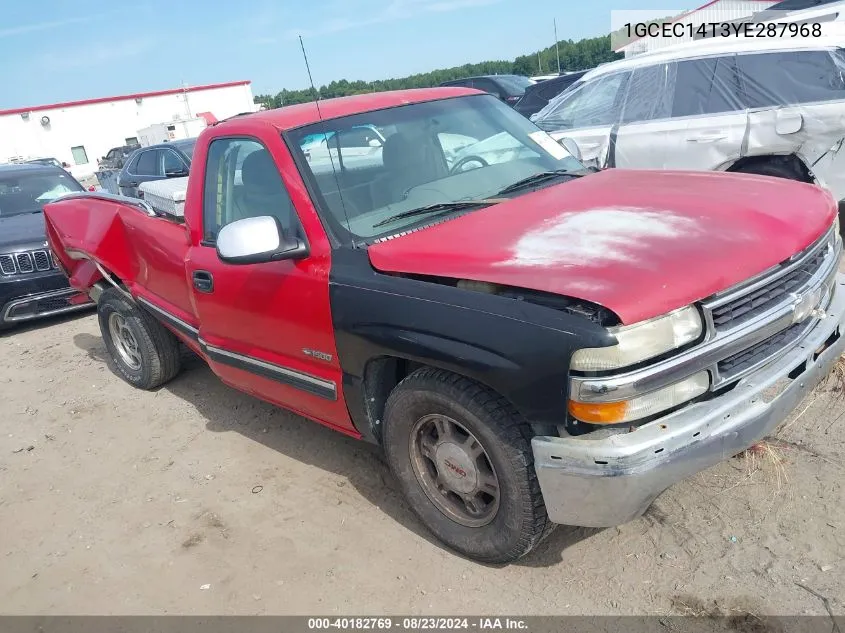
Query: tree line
[{"x": 580, "y": 55}]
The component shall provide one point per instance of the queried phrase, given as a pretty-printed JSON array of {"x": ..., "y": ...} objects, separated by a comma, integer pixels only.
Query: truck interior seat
[
  {"x": 263, "y": 192},
  {"x": 406, "y": 165}
]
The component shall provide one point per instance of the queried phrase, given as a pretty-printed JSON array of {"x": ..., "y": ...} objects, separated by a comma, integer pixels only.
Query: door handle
[
  {"x": 203, "y": 281},
  {"x": 707, "y": 138}
]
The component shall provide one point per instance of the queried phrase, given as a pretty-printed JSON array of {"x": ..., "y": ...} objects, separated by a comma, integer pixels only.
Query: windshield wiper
[
  {"x": 434, "y": 208},
  {"x": 537, "y": 178}
]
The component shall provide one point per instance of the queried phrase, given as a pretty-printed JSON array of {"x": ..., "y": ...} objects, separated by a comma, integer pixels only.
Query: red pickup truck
[{"x": 531, "y": 342}]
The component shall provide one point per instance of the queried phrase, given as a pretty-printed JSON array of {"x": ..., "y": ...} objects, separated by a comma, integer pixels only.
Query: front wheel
[
  {"x": 141, "y": 350},
  {"x": 463, "y": 459}
]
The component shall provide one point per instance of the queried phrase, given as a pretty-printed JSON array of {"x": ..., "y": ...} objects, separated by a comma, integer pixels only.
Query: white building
[
  {"x": 716, "y": 11},
  {"x": 80, "y": 132}
]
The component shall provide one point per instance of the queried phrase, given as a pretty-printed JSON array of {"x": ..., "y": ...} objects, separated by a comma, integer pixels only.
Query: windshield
[
  {"x": 27, "y": 193},
  {"x": 434, "y": 153}
]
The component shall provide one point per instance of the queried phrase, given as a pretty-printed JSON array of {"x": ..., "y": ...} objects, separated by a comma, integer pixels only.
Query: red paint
[
  {"x": 729, "y": 227},
  {"x": 137, "y": 95},
  {"x": 210, "y": 119}
]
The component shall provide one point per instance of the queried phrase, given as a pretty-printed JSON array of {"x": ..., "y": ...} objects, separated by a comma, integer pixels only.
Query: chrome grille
[
  {"x": 767, "y": 300},
  {"x": 40, "y": 260},
  {"x": 7, "y": 265},
  {"x": 762, "y": 352},
  {"x": 24, "y": 262},
  {"x": 760, "y": 298}
]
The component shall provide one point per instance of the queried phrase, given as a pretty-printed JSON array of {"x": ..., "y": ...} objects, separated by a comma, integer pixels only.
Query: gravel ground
[{"x": 198, "y": 499}]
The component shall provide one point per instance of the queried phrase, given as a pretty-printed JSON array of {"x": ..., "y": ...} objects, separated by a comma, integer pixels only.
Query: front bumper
[
  {"x": 606, "y": 482},
  {"x": 23, "y": 298}
]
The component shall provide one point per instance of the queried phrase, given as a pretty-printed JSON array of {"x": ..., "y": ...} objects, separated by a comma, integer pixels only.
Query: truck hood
[
  {"x": 640, "y": 243},
  {"x": 23, "y": 229}
]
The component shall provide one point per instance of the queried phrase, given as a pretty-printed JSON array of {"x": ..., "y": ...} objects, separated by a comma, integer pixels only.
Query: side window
[
  {"x": 242, "y": 181},
  {"x": 80, "y": 156},
  {"x": 552, "y": 88},
  {"x": 594, "y": 103},
  {"x": 172, "y": 163},
  {"x": 789, "y": 78},
  {"x": 132, "y": 167},
  {"x": 649, "y": 94},
  {"x": 146, "y": 164},
  {"x": 705, "y": 86}
]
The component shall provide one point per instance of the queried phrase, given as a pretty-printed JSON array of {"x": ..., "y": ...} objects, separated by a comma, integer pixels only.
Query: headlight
[
  {"x": 642, "y": 341},
  {"x": 641, "y": 406}
]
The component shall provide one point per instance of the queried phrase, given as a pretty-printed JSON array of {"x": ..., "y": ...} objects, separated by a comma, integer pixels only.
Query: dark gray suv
[{"x": 156, "y": 162}]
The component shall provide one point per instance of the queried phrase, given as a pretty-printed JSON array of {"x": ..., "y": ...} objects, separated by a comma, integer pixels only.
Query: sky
[{"x": 57, "y": 50}]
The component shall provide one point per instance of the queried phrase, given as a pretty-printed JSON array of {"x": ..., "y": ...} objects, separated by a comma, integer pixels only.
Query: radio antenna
[{"x": 326, "y": 134}]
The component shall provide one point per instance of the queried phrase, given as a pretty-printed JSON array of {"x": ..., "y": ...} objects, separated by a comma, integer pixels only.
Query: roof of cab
[{"x": 289, "y": 117}]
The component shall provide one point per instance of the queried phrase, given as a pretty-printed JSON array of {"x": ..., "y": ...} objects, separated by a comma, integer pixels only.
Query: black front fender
[{"x": 519, "y": 349}]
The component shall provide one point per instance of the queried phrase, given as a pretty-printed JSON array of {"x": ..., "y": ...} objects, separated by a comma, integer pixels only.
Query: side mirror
[
  {"x": 374, "y": 142},
  {"x": 572, "y": 147},
  {"x": 257, "y": 240},
  {"x": 175, "y": 173}
]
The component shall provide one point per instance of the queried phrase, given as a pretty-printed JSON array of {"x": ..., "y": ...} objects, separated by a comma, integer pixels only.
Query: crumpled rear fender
[{"x": 86, "y": 232}]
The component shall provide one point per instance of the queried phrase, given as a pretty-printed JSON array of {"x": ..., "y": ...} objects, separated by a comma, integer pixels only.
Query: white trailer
[{"x": 171, "y": 131}]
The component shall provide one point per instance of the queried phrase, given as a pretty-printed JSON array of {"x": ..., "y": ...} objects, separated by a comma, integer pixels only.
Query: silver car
[{"x": 773, "y": 107}]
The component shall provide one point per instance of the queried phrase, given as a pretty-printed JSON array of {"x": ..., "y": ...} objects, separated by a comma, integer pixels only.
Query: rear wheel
[
  {"x": 141, "y": 350},
  {"x": 463, "y": 459}
]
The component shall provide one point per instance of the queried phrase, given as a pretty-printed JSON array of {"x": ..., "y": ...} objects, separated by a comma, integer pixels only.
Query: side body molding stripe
[
  {"x": 188, "y": 330},
  {"x": 284, "y": 375}
]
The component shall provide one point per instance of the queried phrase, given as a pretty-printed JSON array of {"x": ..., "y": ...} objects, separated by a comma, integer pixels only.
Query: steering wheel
[{"x": 467, "y": 160}]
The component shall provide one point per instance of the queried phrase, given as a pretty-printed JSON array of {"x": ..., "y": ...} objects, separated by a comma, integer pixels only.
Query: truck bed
[{"x": 96, "y": 232}]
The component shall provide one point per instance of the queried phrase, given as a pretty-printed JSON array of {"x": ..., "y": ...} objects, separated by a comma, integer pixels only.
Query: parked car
[
  {"x": 529, "y": 342},
  {"x": 508, "y": 88},
  {"x": 538, "y": 95},
  {"x": 762, "y": 106},
  {"x": 48, "y": 161},
  {"x": 156, "y": 162},
  {"x": 31, "y": 284},
  {"x": 116, "y": 157}
]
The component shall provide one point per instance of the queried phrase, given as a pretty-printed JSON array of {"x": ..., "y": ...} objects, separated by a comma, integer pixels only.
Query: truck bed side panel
[{"x": 146, "y": 253}]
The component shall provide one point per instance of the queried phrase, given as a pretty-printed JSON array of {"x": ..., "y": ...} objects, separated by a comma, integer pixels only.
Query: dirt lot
[{"x": 198, "y": 499}]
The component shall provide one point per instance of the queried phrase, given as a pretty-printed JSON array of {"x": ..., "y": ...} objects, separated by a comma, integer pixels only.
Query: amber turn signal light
[{"x": 598, "y": 412}]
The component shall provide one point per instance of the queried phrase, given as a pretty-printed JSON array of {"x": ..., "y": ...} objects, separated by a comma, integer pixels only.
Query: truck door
[{"x": 265, "y": 328}]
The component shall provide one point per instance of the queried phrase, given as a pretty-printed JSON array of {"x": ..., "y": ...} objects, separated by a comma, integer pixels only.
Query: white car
[{"x": 767, "y": 106}]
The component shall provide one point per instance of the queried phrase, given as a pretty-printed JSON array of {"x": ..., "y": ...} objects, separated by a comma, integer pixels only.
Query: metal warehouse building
[
  {"x": 714, "y": 11},
  {"x": 80, "y": 132}
]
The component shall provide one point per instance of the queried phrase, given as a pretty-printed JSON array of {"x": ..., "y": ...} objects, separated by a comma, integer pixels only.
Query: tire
[
  {"x": 154, "y": 358},
  {"x": 771, "y": 169},
  {"x": 517, "y": 521}
]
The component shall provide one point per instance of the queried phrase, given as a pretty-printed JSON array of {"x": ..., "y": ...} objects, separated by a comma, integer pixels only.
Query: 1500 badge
[{"x": 317, "y": 354}]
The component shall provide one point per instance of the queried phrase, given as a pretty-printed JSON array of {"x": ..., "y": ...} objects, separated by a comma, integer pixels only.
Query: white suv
[{"x": 771, "y": 107}]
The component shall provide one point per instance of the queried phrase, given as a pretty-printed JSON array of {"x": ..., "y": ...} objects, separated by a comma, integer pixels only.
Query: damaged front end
[{"x": 740, "y": 367}]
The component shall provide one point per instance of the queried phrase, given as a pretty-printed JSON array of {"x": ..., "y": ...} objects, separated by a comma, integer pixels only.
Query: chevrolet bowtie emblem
[{"x": 804, "y": 305}]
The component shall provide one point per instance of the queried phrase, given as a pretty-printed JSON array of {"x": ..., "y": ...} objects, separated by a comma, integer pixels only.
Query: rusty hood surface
[{"x": 641, "y": 243}]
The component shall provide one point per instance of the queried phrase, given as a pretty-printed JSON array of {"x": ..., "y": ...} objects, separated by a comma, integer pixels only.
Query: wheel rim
[
  {"x": 454, "y": 470},
  {"x": 124, "y": 341}
]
